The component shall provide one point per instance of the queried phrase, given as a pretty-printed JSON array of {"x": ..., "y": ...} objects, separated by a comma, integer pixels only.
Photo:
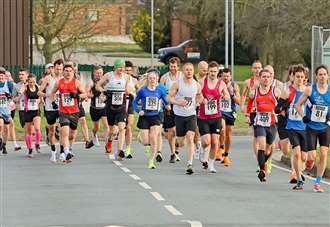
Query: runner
[
  {"x": 295, "y": 127},
  {"x": 209, "y": 115},
  {"x": 228, "y": 111},
  {"x": 168, "y": 79},
  {"x": 115, "y": 85},
  {"x": 149, "y": 120},
  {"x": 182, "y": 96},
  {"x": 51, "y": 107},
  {"x": 265, "y": 99},
  {"x": 97, "y": 106},
  {"x": 70, "y": 91},
  {"x": 134, "y": 86},
  {"x": 317, "y": 118},
  {"x": 6, "y": 89},
  {"x": 31, "y": 114}
]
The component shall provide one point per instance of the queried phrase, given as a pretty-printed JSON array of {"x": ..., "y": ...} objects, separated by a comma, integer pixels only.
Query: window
[{"x": 92, "y": 15}]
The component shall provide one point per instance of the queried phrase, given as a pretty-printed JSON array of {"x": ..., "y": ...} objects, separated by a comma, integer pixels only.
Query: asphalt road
[{"x": 95, "y": 190}]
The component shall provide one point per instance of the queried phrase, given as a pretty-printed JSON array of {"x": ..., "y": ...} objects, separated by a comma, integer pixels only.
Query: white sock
[
  {"x": 66, "y": 150},
  {"x": 190, "y": 162}
]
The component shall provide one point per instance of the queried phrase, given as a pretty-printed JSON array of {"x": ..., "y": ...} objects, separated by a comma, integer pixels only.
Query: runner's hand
[{"x": 141, "y": 113}]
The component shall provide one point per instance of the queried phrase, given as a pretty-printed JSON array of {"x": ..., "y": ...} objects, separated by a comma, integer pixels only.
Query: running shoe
[
  {"x": 205, "y": 165},
  {"x": 159, "y": 156},
  {"x": 293, "y": 179},
  {"x": 309, "y": 164},
  {"x": 89, "y": 144},
  {"x": 17, "y": 148},
  {"x": 317, "y": 188},
  {"x": 219, "y": 154},
  {"x": 303, "y": 178},
  {"x": 269, "y": 166},
  {"x": 120, "y": 155},
  {"x": 4, "y": 150},
  {"x": 96, "y": 141},
  {"x": 1, "y": 144},
  {"x": 151, "y": 164},
  {"x": 147, "y": 151},
  {"x": 53, "y": 157},
  {"x": 172, "y": 158},
  {"x": 212, "y": 169},
  {"x": 62, "y": 157},
  {"x": 108, "y": 147},
  {"x": 128, "y": 153},
  {"x": 68, "y": 157},
  {"x": 226, "y": 161},
  {"x": 298, "y": 186},
  {"x": 177, "y": 157},
  {"x": 37, "y": 146},
  {"x": 262, "y": 175},
  {"x": 189, "y": 169}
]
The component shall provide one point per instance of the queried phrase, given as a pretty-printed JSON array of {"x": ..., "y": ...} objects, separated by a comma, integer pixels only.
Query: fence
[{"x": 38, "y": 70}]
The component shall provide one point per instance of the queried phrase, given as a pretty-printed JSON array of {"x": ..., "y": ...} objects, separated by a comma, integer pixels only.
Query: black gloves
[
  {"x": 8, "y": 95},
  {"x": 54, "y": 105}
]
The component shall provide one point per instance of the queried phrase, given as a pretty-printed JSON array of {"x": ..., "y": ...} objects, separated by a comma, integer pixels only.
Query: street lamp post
[
  {"x": 226, "y": 33},
  {"x": 152, "y": 33}
]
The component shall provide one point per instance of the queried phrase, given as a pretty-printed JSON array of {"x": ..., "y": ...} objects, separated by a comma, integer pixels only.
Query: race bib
[
  {"x": 99, "y": 103},
  {"x": 319, "y": 113},
  {"x": 211, "y": 107},
  {"x": 117, "y": 98},
  {"x": 225, "y": 105},
  {"x": 67, "y": 100},
  {"x": 189, "y": 102},
  {"x": 33, "y": 104},
  {"x": 152, "y": 103},
  {"x": 264, "y": 119},
  {"x": 293, "y": 114},
  {"x": 3, "y": 102}
]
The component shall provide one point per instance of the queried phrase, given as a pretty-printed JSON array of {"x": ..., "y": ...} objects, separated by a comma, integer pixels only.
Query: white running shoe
[
  {"x": 211, "y": 167},
  {"x": 62, "y": 157},
  {"x": 53, "y": 157},
  {"x": 96, "y": 140}
]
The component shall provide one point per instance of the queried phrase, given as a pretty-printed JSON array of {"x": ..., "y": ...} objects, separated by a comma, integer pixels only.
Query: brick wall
[{"x": 180, "y": 31}]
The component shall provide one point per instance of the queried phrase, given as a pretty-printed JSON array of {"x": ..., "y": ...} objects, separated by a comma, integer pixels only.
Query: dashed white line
[
  {"x": 117, "y": 163},
  {"x": 144, "y": 185},
  {"x": 193, "y": 223},
  {"x": 172, "y": 210},
  {"x": 287, "y": 170},
  {"x": 157, "y": 196},
  {"x": 126, "y": 170},
  {"x": 135, "y": 177}
]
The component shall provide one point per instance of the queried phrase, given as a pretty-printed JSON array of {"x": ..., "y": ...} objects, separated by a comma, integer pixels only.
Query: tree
[{"x": 60, "y": 25}]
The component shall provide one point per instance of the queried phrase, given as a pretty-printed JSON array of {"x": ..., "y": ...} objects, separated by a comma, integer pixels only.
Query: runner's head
[
  {"x": 306, "y": 76},
  {"x": 271, "y": 70},
  {"x": 32, "y": 80},
  {"x": 299, "y": 75},
  {"x": 58, "y": 67},
  {"x": 256, "y": 68},
  {"x": 322, "y": 76},
  {"x": 49, "y": 69},
  {"x": 213, "y": 70},
  {"x": 221, "y": 68},
  {"x": 2, "y": 74},
  {"x": 188, "y": 70},
  {"x": 291, "y": 74},
  {"x": 226, "y": 75},
  {"x": 8, "y": 76},
  {"x": 265, "y": 78},
  {"x": 174, "y": 64},
  {"x": 23, "y": 75},
  {"x": 152, "y": 77},
  {"x": 68, "y": 72},
  {"x": 129, "y": 68},
  {"x": 119, "y": 66},
  {"x": 202, "y": 69},
  {"x": 98, "y": 72}
]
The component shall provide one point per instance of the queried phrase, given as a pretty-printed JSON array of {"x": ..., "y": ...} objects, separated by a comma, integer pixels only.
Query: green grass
[{"x": 112, "y": 47}]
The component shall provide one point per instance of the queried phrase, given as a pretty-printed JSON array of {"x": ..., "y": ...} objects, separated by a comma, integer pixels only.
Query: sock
[
  {"x": 15, "y": 143},
  {"x": 299, "y": 178},
  {"x": 30, "y": 150},
  {"x": 61, "y": 149},
  {"x": 177, "y": 152},
  {"x": 38, "y": 136},
  {"x": 52, "y": 147},
  {"x": 222, "y": 146},
  {"x": 28, "y": 141},
  {"x": 66, "y": 150},
  {"x": 318, "y": 180},
  {"x": 190, "y": 162},
  {"x": 211, "y": 162},
  {"x": 261, "y": 159}
]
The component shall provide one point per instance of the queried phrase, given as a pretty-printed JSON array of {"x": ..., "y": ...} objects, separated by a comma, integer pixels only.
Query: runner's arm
[
  {"x": 224, "y": 91},
  {"x": 136, "y": 101},
  {"x": 302, "y": 100},
  {"x": 89, "y": 89},
  {"x": 99, "y": 85},
  {"x": 83, "y": 94},
  {"x": 244, "y": 94},
  {"x": 43, "y": 87},
  {"x": 53, "y": 94},
  {"x": 199, "y": 95},
  {"x": 172, "y": 92},
  {"x": 282, "y": 103},
  {"x": 237, "y": 96}
]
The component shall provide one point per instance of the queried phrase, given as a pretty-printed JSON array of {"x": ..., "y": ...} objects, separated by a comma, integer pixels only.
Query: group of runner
[{"x": 199, "y": 109}]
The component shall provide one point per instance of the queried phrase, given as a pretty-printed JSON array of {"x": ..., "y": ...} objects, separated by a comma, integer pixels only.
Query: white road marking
[
  {"x": 157, "y": 196},
  {"x": 193, "y": 223},
  {"x": 289, "y": 171},
  {"x": 126, "y": 170},
  {"x": 135, "y": 177},
  {"x": 172, "y": 210},
  {"x": 113, "y": 226},
  {"x": 111, "y": 156},
  {"x": 144, "y": 185},
  {"x": 118, "y": 163}
]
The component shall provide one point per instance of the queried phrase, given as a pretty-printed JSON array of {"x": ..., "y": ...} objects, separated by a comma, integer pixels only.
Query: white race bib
[
  {"x": 225, "y": 105},
  {"x": 67, "y": 100},
  {"x": 264, "y": 119},
  {"x": 190, "y": 103},
  {"x": 319, "y": 113},
  {"x": 99, "y": 103},
  {"x": 33, "y": 104},
  {"x": 152, "y": 103},
  {"x": 211, "y": 107},
  {"x": 117, "y": 98},
  {"x": 293, "y": 114},
  {"x": 3, "y": 102}
]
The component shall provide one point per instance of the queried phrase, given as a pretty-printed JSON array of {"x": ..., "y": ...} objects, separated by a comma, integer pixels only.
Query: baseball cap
[
  {"x": 49, "y": 65},
  {"x": 119, "y": 63},
  {"x": 2, "y": 70}
]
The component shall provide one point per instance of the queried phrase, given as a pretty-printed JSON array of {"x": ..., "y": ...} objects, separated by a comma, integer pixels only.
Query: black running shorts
[
  {"x": 51, "y": 117},
  {"x": 185, "y": 124},
  {"x": 209, "y": 126},
  {"x": 298, "y": 138},
  {"x": 97, "y": 114},
  {"x": 268, "y": 132},
  {"x": 323, "y": 136},
  {"x": 70, "y": 120}
]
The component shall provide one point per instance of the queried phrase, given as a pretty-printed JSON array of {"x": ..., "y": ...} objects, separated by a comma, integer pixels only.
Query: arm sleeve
[
  {"x": 164, "y": 98},
  {"x": 136, "y": 100},
  {"x": 281, "y": 105}
]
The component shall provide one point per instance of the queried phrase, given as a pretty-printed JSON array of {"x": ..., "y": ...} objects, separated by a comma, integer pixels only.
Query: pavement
[{"x": 96, "y": 190}]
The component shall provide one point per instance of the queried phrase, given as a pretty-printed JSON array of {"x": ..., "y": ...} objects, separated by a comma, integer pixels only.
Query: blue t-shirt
[{"x": 150, "y": 100}]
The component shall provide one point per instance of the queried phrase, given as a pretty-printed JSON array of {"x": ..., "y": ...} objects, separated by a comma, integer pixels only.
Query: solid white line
[
  {"x": 117, "y": 163},
  {"x": 172, "y": 210},
  {"x": 135, "y": 177},
  {"x": 157, "y": 196},
  {"x": 144, "y": 185},
  {"x": 288, "y": 170},
  {"x": 126, "y": 170},
  {"x": 193, "y": 223}
]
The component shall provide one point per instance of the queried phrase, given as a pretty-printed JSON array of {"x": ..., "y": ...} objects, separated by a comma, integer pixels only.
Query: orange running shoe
[
  {"x": 218, "y": 154},
  {"x": 226, "y": 161},
  {"x": 108, "y": 147},
  {"x": 293, "y": 179}
]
